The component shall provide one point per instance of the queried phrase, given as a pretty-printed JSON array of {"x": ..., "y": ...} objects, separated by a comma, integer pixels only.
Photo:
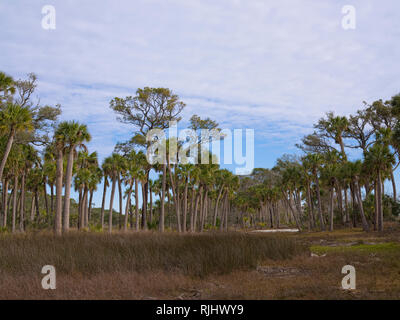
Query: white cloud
[{"x": 276, "y": 66}]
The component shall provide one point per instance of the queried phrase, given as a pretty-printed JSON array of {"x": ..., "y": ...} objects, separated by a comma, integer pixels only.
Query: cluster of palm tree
[
  {"x": 322, "y": 188},
  {"x": 42, "y": 159}
]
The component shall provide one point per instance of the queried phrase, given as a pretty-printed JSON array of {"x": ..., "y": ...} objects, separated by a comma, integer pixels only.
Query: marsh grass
[{"x": 88, "y": 254}]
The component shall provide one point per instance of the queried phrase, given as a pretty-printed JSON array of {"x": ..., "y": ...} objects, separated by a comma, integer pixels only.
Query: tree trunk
[
  {"x": 151, "y": 205},
  {"x": 321, "y": 217},
  {"x": 120, "y": 201},
  {"x": 46, "y": 204},
  {"x": 67, "y": 189},
  {"x": 110, "y": 217},
  {"x": 346, "y": 208},
  {"x": 360, "y": 204},
  {"x": 86, "y": 209},
  {"x": 51, "y": 200},
  {"x": 144, "y": 205},
  {"x": 37, "y": 205},
  {"x": 196, "y": 207},
  {"x": 380, "y": 211},
  {"x": 292, "y": 210},
  {"x": 310, "y": 207},
  {"x": 7, "y": 151},
  {"x": 227, "y": 209},
  {"x": 32, "y": 216},
  {"x": 59, "y": 180},
  {"x": 216, "y": 206},
  {"x": 80, "y": 206},
  {"x": 278, "y": 220},
  {"x": 137, "y": 204},
  {"x": 83, "y": 206},
  {"x": 103, "y": 203},
  {"x": 162, "y": 199},
  {"x": 185, "y": 205},
  {"x": 22, "y": 208},
  {"x": 90, "y": 206},
  {"x": 128, "y": 199},
  {"x": 14, "y": 210},
  {"x": 196, "y": 213},
  {"x": 393, "y": 185},
  {"x": 5, "y": 202},
  {"x": 331, "y": 209}
]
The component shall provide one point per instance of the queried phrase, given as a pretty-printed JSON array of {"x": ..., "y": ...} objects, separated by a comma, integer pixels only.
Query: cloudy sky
[{"x": 274, "y": 66}]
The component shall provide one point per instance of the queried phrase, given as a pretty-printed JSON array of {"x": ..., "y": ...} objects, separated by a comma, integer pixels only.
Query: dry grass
[{"x": 208, "y": 266}]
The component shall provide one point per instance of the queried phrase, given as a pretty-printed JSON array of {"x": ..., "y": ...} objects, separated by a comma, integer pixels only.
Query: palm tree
[
  {"x": 113, "y": 166},
  {"x": 59, "y": 146},
  {"x": 73, "y": 135},
  {"x": 314, "y": 161},
  {"x": 379, "y": 159},
  {"x": 13, "y": 119},
  {"x": 353, "y": 171}
]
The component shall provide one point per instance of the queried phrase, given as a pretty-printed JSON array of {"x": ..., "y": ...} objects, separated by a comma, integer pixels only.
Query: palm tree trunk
[
  {"x": 7, "y": 151},
  {"x": 51, "y": 200},
  {"x": 67, "y": 189},
  {"x": 151, "y": 204},
  {"x": 46, "y": 204},
  {"x": 90, "y": 205},
  {"x": 193, "y": 207},
  {"x": 278, "y": 220},
  {"x": 331, "y": 209},
  {"x": 110, "y": 217},
  {"x": 131, "y": 214},
  {"x": 321, "y": 218},
  {"x": 346, "y": 208},
  {"x": 120, "y": 201},
  {"x": 5, "y": 202},
  {"x": 137, "y": 204},
  {"x": 22, "y": 208},
  {"x": 86, "y": 209},
  {"x": 83, "y": 209},
  {"x": 14, "y": 210},
  {"x": 103, "y": 202},
  {"x": 185, "y": 205},
  {"x": 393, "y": 185},
  {"x": 32, "y": 216},
  {"x": 360, "y": 204},
  {"x": 162, "y": 200},
  {"x": 216, "y": 206},
  {"x": 144, "y": 206},
  {"x": 128, "y": 199},
  {"x": 292, "y": 210},
  {"x": 37, "y": 205},
  {"x": 380, "y": 211},
  {"x": 59, "y": 180},
  {"x": 196, "y": 207},
  {"x": 204, "y": 211},
  {"x": 175, "y": 196},
  {"x": 227, "y": 209},
  {"x": 80, "y": 206},
  {"x": 310, "y": 207}
]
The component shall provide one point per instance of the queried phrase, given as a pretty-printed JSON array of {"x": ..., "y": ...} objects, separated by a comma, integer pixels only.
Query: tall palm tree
[
  {"x": 379, "y": 159},
  {"x": 73, "y": 135},
  {"x": 13, "y": 119},
  {"x": 113, "y": 165},
  {"x": 353, "y": 170},
  {"x": 314, "y": 161}
]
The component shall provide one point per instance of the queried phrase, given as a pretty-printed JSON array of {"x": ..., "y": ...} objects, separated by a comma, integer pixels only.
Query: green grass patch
[{"x": 388, "y": 247}]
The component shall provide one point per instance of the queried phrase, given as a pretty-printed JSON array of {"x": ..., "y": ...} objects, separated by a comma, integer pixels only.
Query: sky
[{"x": 272, "y": 66}]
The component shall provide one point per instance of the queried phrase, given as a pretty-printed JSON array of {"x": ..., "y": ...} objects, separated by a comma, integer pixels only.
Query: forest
[{"x": 338, "y": 179}]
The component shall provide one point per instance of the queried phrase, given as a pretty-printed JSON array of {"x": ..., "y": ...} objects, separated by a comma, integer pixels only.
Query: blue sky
[{"x": 273, "y": 66}]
